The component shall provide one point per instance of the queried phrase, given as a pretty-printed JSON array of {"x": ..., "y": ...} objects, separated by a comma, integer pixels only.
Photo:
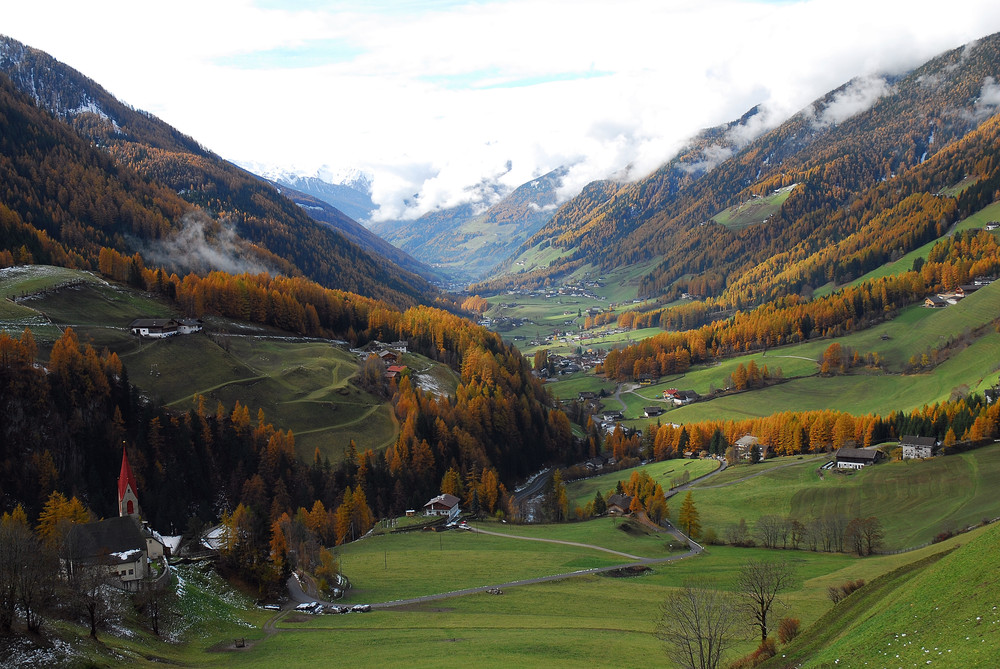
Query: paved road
[{"x": 534, "y": 488}]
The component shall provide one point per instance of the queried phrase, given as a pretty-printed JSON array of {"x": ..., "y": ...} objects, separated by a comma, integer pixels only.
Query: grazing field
[
  {"x": 915, "y": 500},
  {"x": 301, "y": 385},
  {"x": 583, "y": 490},
  {"x": 400, "y": 566},
  {"x": 570, "y": 386},
  {"x": 582, "y": 621},
  {"x": 741, "y": 471},
  {"x": 859, "y": 394},
  {"x": 940, "y": 611},
  {"x": 754, "y": 211}
]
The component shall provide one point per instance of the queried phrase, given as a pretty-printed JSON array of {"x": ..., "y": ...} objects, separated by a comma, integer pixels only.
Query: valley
[{"x": 519, "y": 435}]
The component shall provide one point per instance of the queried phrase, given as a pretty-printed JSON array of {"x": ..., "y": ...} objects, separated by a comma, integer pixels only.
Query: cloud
[
  {"x": 989, "y": 97},
  {"x": 858, "y": 96},
  {"x": 434, "y": 98},
  {"x": 203, "y": 245}
]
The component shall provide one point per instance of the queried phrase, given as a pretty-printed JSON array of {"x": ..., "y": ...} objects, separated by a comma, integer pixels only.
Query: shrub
[
  {"x": 766, "y": 650},
  {"x": 710, "y": 537},
  {"x": 788, "y": 629},
  {"x": 947, "y": 534},
  {"x": 838, "y": 592}
]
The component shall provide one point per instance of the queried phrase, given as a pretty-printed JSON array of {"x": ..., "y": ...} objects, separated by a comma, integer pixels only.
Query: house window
[
  {"x": 129, "y": 508},
  {"x": 130, "y": 572}
]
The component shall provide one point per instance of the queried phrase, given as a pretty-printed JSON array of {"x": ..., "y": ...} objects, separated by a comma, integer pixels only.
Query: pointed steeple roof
[{"x": 126, "y": 478}]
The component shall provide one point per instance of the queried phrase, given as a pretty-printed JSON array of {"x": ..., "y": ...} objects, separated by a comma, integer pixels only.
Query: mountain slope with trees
[
  {"x": 830, "y": 155},
  {"x": 127, "y": 151}
]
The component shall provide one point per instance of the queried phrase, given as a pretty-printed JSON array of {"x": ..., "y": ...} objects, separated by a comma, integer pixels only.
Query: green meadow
[
  {"x": 939, "y": 611},
  {"x": 754, "y": 211},
  {"x": 583, "y": 490},
  {"x": 905, "y": 263},
  {"x": 915, "y": 500},
  {"x": 590, "y": 620}
]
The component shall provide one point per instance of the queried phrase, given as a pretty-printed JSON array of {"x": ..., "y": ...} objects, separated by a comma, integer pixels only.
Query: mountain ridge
[
  {"x": 272, "y": 227},
  {"x": 830, "y": 152}
]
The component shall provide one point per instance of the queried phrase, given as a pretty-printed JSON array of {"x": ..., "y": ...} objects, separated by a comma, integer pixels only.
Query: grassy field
[
  {"x": 940, "y": 611},
  {"x": 582, "y": 491},
  {"x": 858, "y": 394},
  {"x": 590, "y": 620},
  {"x": 388, "y": 567},
  {"x": 582, "y": 621},
  {"x": 753, "y": 211},
  {"x": 914, "y": 500}
]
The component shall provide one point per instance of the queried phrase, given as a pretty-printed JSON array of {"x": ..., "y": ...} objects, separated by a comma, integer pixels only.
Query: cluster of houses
[
  {"x": 914, "y": 447},
  {"x": 568, "y": 364},
  {"x": 942, "y": 300},
  {"x": 160, "y": 328}
]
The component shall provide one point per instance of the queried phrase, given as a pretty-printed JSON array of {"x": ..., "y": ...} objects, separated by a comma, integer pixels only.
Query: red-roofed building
[{"x": 128, "y": 491}]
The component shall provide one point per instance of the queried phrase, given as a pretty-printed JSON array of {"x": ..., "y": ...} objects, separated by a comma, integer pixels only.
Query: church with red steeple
[{"x": 128, "y": 498}]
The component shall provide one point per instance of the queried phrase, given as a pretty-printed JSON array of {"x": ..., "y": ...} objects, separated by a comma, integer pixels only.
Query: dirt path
[
  {"x": 559, "y": 541},
  {"x": 760, "y": 473}
]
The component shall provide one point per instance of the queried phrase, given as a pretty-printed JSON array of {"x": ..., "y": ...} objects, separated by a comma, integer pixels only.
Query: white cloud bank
[
  {"x": 858, "y": 96},
  {"x": 433, "y": 98}
]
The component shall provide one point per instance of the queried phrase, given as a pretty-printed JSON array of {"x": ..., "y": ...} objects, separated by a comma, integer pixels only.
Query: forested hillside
[
  {"x": 99, "y": 173},
  {"x": 66, "y": 422},
  {"x": 830, "y": 156}
]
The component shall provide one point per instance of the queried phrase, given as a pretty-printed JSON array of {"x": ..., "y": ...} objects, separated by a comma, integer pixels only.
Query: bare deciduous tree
[
  {"x": 758, "y": 584},
  {"x": 697, "y": 625}
]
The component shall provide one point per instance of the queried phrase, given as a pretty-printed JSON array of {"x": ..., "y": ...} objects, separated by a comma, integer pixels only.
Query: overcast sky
[{"x": 436, "y": 96}]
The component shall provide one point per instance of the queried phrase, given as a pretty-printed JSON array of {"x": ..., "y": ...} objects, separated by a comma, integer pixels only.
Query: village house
[
  {"x": 935, "y": 302},
  {"x": 160, "y": 328},
  {"x": 743, "y": 448},
  {"x": 917, "y": 447},
  {"x": 394, "y": 371},
  {"x": 855, "y": 458},
  {"x": 154, "y": 328},
  {"x": 443, "y": 505},
  {"x": 618, "y": 504},
  {"x": 682, "y": 397},
  {"x": 650, "y": 412}
]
